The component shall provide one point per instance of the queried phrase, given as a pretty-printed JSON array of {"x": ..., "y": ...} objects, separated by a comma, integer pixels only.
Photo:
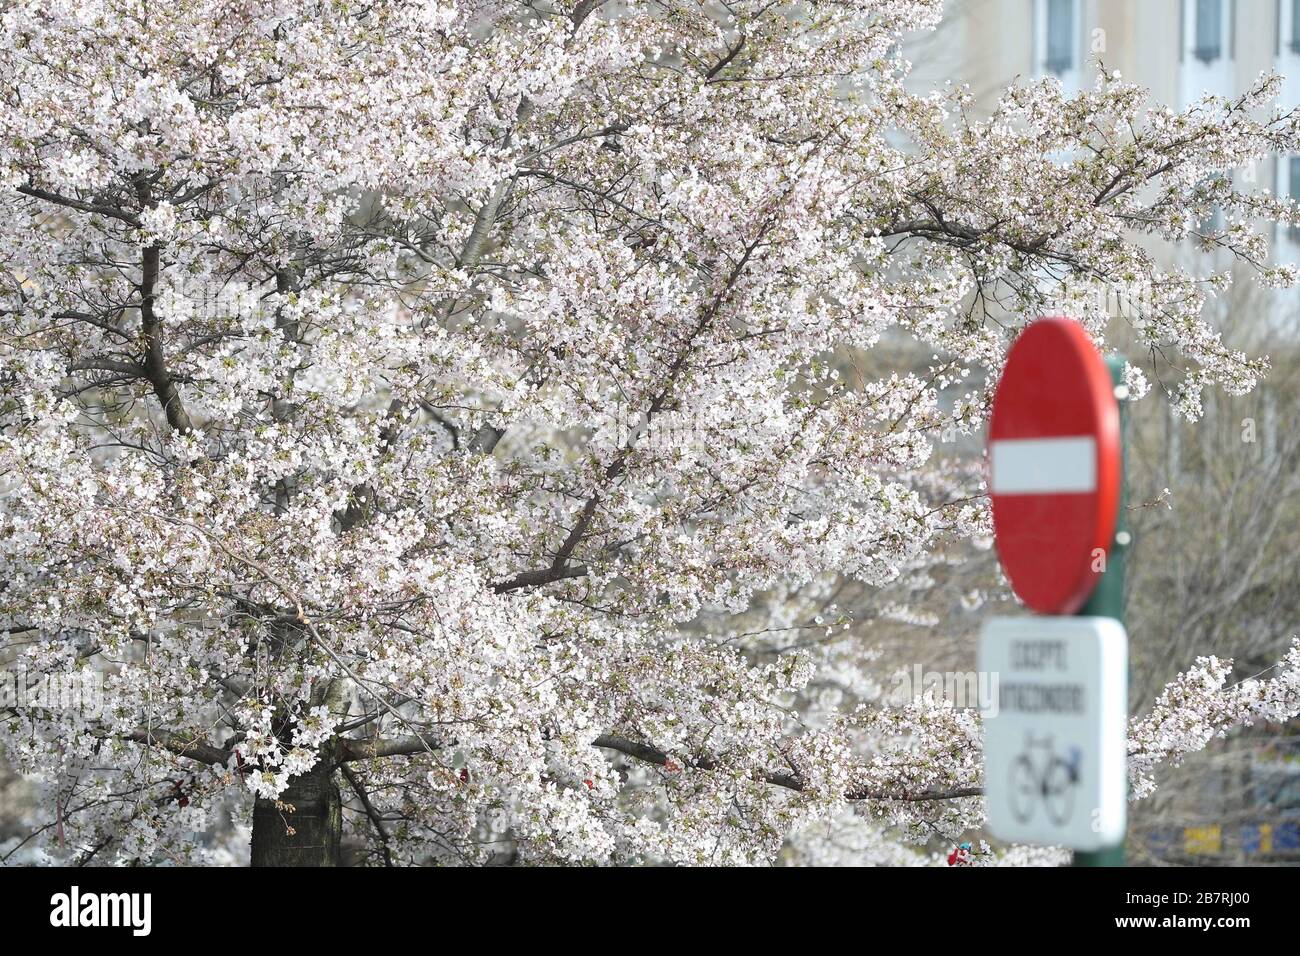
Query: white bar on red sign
[{"x": 1043, "y": 466}]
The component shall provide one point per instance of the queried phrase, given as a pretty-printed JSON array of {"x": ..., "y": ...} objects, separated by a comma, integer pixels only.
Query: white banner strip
[{"x": 1043, "y": 466}]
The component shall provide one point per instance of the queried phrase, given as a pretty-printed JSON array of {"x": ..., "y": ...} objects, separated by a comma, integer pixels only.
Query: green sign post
[{"x": 1107, "y": 599}]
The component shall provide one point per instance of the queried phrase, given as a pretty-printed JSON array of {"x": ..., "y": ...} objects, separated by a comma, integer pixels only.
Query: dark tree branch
[
  {"x": 155, "y": 361},
  {"x": 559, "y": 568},
  {"x": 375, "y": 819},
  {"x": 68, "y": 202},
  {"x": 178, "y": 744},
  {"x": 646, "y": 753},
  {"x": 584, "y": 9},
  {"x": 529, "y": 579},
  {"x": 120, "y": 366},
  {"x": 371, "y": 748},
  {"x": 731, "y": 55},
  {"x": 649, "y": 754}
]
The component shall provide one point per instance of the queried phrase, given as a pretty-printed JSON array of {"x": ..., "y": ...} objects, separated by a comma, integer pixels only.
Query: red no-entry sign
[{"x": 1054, "y": 466}]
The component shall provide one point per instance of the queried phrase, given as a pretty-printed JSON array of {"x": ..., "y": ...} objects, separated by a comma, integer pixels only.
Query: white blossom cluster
[
  {"x": 314, "y": 319},
  {"x": 1200, "y": 705}
]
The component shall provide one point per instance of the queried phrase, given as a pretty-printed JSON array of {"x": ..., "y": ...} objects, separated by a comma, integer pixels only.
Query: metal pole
[{"x": 1107, "y": 599}]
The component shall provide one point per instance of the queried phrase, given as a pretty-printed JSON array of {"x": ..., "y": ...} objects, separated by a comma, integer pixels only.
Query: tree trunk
[{"x": 305, "y": 826}]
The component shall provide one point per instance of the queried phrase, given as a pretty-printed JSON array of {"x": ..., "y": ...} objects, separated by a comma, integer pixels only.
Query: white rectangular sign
[
  {"x": 1055, "y": 740},
  {"x": 1043, "y": 466}
]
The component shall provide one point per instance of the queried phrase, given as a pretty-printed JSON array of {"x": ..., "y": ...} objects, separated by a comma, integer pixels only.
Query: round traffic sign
[{"x": 1054, "y": 466}]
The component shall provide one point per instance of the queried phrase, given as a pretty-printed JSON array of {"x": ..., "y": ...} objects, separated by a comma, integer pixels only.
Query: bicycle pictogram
[{"x": 1040, "y": 774}]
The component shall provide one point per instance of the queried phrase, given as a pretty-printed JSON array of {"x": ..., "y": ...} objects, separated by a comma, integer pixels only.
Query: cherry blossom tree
[{"x": 398, "y": 401}]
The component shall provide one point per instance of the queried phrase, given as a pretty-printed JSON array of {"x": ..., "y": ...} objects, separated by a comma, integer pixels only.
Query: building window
[
  {"x": 1206, "y": 52},
  {"x": 1207, "y": 30},
  {"x": 1056, "y": 39},
  {"x": 1290, "y": 22},
  {"x": 1059, "y": 41},
  {"x": 1207, "y": 43}
]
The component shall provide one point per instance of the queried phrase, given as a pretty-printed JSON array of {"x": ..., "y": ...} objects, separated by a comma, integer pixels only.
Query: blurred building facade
[{"x": 1178, "y": 49}]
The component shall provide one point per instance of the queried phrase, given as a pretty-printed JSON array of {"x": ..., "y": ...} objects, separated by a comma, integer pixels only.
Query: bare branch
[
  {"x": 178, "y": 744},
  {"x": 155, "y": 362},
  {"x": 59, "y": 199}
]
